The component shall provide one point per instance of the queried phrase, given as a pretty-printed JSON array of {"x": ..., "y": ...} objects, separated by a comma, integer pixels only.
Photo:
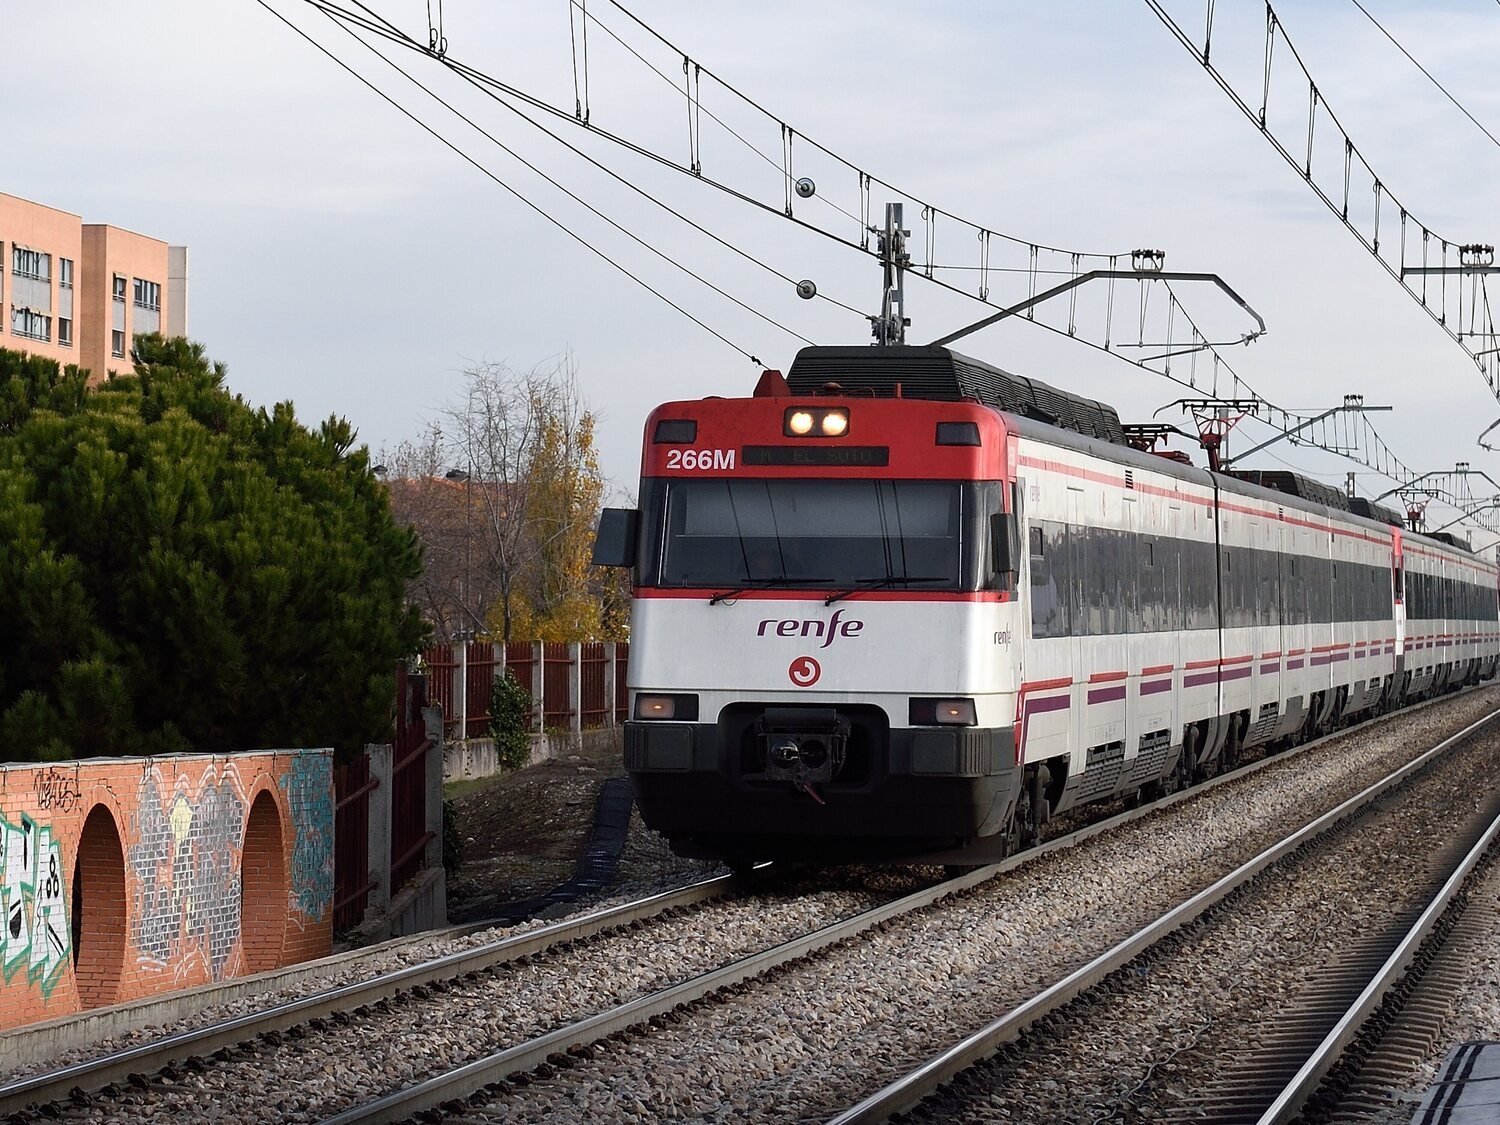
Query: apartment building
[{"x": 79, "y": 292}]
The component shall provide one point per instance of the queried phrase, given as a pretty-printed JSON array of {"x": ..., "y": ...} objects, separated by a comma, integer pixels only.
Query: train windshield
[{"x": 822, "y": 534}]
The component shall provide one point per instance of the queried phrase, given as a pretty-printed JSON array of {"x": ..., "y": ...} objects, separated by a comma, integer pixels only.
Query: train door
[
  {"x": 1080, "y": 650},
  {"x": 1398, "y": 598}
]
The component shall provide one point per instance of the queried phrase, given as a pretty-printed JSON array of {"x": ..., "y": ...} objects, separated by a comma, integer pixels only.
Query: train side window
[
  {"x": 1170, "y": 564},
  {"x": 1049, "y": 579}
]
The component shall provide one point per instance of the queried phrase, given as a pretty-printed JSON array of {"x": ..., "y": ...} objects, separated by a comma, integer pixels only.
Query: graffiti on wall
[
  {"x": 308, "y": 787},
  {"x": 36, "y": 937},
  {"x": 186, "y": 867},
  {"x": 57, "y": 791}
]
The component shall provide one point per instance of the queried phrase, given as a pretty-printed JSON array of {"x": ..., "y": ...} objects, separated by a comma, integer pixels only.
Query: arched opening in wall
[
  {"x": 99, "y": 910},
  {"x": 263, "y": 881}
]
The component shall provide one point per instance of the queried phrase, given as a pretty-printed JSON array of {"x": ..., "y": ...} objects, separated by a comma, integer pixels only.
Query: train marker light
[
  {"x": 958, "y": 433},
  {"x": 835, "y": 422},
  {"x": 675, "y": 431},
  {"x": 799, "y": 422},
  {"x": 681, "y": 707},
  {"x": 943, "y": 712}
]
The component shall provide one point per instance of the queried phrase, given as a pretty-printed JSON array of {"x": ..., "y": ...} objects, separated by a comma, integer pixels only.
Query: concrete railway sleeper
[
  {"x": 642, "y": 1040},
  {"x": 1239, "y": 1003},
  {"x": 194, "y": 1083}
]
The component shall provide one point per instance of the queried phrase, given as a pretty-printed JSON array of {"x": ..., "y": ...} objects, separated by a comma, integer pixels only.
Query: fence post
[
  {"x": 461, "y": 692},
  {"x": 538, "y": 687},
  {"x": 609, "y": 683},
  {"x": 380, "y": 830},
  {"x": 575, "y": 694}
]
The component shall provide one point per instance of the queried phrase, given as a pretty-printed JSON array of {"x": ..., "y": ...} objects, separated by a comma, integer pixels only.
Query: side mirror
[
  {"x": 614, "y": 543},
  {"x": 1005, "y": 544}
]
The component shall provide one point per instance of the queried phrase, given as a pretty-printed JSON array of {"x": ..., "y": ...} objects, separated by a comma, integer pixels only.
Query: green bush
[
  {"x": 453, "y": 843},
  {"x": 510, "y": 714}
]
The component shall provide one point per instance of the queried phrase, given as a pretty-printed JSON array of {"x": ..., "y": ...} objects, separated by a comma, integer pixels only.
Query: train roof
[
  {"x": 925, "y": 371},
  {"x": 928, "y": 372}
]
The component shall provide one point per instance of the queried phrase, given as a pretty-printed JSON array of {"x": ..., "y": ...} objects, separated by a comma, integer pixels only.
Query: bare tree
[{"x": 500, "y": 491}]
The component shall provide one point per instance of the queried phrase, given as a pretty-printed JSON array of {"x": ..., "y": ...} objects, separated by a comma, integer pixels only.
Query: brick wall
[{"x": 124, "y": 877}]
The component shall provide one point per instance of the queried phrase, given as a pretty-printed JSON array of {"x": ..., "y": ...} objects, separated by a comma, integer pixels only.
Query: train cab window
[{"x": 821, "y": 534}]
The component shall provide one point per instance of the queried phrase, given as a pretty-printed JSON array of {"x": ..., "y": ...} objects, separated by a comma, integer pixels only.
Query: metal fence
[
  {"x": 409, "y": 834},
  {"x": 575, "y": 686},
  {"x": 572, "y": 686},
  {"x": 352, "y": 884}
]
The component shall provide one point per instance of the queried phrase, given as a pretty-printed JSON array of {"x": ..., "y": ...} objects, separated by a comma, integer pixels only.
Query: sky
[{"x": 345, "y": 259}]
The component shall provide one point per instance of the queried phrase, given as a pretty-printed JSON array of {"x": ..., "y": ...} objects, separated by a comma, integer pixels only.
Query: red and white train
[{"x": 901, "y": 604}]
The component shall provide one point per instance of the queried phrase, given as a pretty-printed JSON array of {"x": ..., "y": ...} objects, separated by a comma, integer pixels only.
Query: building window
[
  {"x": 31, "y": 325},
  {"x": 147, "y": 295},
  {"x": 65, "y": 331},
  {"x": 119, "y": 289},
  {"x": 117, "y": 344},
  {"x": 65, "y": 273},
  {"x": 30, "y": 263}
]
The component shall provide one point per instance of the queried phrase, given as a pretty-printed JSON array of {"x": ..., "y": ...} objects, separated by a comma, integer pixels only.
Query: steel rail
[
  {"x": 1305, "y": 1083},
  {"x": 57, "y": 1085},
  {"x": 911, "y": 1089},
  {"x": 465, "y": 1081}
]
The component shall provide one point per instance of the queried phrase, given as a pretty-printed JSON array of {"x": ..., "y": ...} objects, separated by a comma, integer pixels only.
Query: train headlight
[
  {"x": 683, "y": 708},
  {"x": 943, "y": 712},
  {"x": 816, "y": 421}
]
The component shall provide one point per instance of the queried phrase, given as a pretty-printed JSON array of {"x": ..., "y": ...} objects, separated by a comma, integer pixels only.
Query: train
[{"x": 902, "y": 605}]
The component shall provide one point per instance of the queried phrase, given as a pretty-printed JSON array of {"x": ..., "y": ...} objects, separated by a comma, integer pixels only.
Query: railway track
[
  {"x": 128, "y": 1065},
  {"x": 532, "y": 1080},
  {"x": 1222, "y": 1031},
  {"x": 198, "y": 1065}
]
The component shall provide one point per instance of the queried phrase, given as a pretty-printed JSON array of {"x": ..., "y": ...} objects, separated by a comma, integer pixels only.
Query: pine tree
[{"x": 183, "y": 571}]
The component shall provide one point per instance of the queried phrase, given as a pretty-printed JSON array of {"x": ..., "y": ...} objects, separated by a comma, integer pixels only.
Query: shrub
[
  {"x": 510, "y": 714},
  {"x": 453, "y": 843}
]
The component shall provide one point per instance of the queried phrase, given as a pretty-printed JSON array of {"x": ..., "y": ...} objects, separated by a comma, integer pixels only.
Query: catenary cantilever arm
[{"x": 1092, "y": 275}]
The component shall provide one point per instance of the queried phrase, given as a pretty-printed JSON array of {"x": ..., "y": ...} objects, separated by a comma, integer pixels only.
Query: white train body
[{"x": 971, "y": 620}]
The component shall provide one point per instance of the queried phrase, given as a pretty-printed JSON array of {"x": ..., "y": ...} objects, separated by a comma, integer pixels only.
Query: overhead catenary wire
[
  {"x": 386, "y": 30},
  {"x": 1428, "y": 74},
  {"x": 493, "y": 87},
  {"x": 1338, "y": 199},
  {"x": 494, "y": 90},
  {"x": 501, "y": 183},
  {"x": 489, "y": 136}
]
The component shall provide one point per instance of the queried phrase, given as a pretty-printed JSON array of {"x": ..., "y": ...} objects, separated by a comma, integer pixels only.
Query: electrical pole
[{"x": 889, "y": 328}]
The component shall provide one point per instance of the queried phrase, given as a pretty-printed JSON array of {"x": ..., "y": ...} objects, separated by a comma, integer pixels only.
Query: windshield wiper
[
  {"x": 877, "y": 583},
  {"x": 765, "y": 583}
]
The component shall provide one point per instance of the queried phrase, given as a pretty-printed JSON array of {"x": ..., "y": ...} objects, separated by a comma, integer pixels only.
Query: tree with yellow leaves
[{"x": 514, "y": 528}]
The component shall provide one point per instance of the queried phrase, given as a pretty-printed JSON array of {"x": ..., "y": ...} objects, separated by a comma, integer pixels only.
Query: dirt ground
[{"x": 523, "y": 831}]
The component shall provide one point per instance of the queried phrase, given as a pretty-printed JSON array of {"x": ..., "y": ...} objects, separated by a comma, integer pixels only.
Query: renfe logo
[
  {"x": 835, "y": 626},
  {"x": 804, "y": 671}
]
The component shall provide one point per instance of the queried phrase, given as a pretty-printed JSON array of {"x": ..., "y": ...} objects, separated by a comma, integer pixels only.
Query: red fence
[
  {"x": 570, "y": 685},
  {"x": 351, "y": 843},
  {"x": 409, "y": 835},
  {"x": 573, "y": 686}
]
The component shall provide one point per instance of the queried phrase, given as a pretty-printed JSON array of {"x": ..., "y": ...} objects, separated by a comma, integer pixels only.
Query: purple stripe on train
[
  {"x": 1107, "y": 694},
  {"x": 1155, "y": 686}
]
